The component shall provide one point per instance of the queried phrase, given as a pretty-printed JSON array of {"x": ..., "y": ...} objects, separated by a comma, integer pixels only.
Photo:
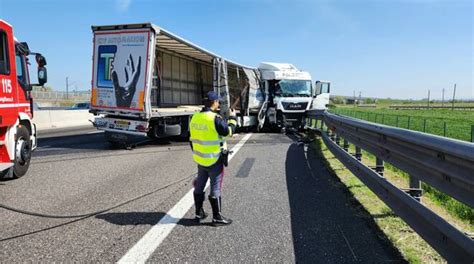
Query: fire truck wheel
[{"x": 22, "y": 152}]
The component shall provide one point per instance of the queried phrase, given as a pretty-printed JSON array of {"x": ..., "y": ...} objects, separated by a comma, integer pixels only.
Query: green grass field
[{"x": 458, "y": 124}]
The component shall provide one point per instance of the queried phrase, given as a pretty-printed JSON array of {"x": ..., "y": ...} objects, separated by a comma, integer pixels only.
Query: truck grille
[{"x": 294, "y": 106}]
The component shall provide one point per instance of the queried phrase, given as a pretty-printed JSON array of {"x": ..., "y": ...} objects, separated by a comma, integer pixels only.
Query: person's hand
[
  {"x": 232, "y": 113},
  {"x": 124, "y": 94}
]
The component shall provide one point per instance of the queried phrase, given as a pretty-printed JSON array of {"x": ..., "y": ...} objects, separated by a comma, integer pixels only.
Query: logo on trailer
[{"x": 106, "y": 58}]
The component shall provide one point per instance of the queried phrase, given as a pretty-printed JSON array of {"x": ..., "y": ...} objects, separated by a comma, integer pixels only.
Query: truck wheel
[{"x": 22, "y": 152}]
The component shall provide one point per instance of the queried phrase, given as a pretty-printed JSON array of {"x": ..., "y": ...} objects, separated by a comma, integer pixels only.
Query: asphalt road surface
[{"x": 285, "y": 206}]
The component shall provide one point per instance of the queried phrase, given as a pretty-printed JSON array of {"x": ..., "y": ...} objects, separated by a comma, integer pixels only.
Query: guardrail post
[
  {"x": 358, "y": 153},
  {"x": 333, "y": 136},
  {"x": 397, "y": 121},
  {"x": 424, "y": 125},
  {"x": 338, "y": 139},
  {"x": 409, "y": 121},
  {"x": 415, "y": 188},
  {"x": 472, "y": 133},
  {"x": 322, "y": 125},
  {"x": 444, "y": 129},
  {"x": 383, "y": 118},
  {"x": 379, "y": 167},
  {"x": 346, "y": 145}
]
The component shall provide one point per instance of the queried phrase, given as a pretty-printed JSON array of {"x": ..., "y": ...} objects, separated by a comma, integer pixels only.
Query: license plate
[{"x": 121, "y": 124}]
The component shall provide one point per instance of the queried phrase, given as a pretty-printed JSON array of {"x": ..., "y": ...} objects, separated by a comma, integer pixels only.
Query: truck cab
[
  {"x": 289, "y": 94},
  {"x": 17, "y": 131}
]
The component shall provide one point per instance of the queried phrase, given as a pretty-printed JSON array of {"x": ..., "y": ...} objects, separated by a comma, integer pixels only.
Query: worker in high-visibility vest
[{"x": 208, "y": 131}]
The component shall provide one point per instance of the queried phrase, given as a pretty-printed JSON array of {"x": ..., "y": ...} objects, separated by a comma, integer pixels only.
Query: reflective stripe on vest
[
  {"x": 205, "y": 142},
  {"x": 206, "y": 155},
  {"x": 205, "y": 138}
]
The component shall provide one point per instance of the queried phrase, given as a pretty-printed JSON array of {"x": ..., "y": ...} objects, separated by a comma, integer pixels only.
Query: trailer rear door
[{"x": 122, "y": 70}]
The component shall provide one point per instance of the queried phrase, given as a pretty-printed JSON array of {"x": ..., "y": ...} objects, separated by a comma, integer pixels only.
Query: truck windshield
[{"x": 290, "y": 88}]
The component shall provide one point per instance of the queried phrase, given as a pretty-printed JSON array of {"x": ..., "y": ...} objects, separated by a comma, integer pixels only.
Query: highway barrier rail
[{"x": 443, "y": 163}]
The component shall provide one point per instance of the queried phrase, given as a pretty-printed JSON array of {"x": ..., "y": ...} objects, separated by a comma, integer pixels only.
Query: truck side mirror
[
  {"x": 42, "y": 76},
  {"x": 42, "y": 72}
]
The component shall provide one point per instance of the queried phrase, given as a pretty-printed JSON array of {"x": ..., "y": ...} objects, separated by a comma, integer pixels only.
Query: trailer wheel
[{"x": 22, "y": 152}]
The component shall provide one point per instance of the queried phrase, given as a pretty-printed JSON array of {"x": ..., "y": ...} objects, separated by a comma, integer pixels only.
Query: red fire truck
[{"x": 17, "y": 130}]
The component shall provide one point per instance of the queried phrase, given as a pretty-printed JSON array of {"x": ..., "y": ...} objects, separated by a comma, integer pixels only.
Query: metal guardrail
[{"x": 446, "y": 164}]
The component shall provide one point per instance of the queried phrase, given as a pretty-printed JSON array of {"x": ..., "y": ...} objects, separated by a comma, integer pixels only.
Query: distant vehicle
[
  {"x": 36, "y": 107},
  {"x": 80, "y": 106}
]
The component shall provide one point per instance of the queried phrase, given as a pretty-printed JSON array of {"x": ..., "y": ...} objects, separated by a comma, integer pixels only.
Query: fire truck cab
[{"x": 17, "y": 130}]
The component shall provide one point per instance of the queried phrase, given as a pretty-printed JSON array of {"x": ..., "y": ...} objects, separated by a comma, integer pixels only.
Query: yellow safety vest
[{"x": 206, "y": 141}]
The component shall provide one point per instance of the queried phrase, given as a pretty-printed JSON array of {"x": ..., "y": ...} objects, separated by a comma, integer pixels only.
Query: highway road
[{"x": 285, "y": 206}]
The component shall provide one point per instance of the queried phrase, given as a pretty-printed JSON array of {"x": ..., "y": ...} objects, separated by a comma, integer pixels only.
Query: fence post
[
  {"x": 444, "y": 129},
  {"x": 415, "y": 188},
  {"x": 379, "y": 168},
  {"x": 409, "y": 121},
  {"x": 346, "y": 145},
  {"x": 383, "y": 118},
  {"x": 397, "y": 121},
  {"x": 472, "y": 133},
  {"x": 424, "y": 125}
]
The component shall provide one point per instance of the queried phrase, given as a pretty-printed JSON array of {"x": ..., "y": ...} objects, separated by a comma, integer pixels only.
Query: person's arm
[{"x": 225, "y": 129}]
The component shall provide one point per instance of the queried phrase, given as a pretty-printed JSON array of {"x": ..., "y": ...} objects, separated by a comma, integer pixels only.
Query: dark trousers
[{"x": 215, "y": 173}]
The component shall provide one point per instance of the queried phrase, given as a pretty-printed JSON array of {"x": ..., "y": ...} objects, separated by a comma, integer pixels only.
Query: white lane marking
[
  {"x": 143, "y": 249},
  {"x": 95, "y": 132}
]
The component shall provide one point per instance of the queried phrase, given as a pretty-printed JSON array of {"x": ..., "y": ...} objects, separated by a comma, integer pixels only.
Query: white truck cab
[{"x": 289, "y": 94}]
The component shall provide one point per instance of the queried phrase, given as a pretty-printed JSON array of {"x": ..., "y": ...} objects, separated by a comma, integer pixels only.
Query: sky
[{"x": 380, "y": 48}]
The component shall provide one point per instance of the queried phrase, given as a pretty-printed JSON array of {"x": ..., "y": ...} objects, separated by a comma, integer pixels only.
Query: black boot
[
  {"x": 198, "y": 201},
  {"x": 218, "y": 218}
]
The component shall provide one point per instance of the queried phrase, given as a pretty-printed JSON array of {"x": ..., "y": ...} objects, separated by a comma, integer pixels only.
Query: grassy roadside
[{"x": 409, "y": 243}]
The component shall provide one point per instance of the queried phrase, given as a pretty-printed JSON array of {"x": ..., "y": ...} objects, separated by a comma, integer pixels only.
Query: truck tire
[{"x": 22, "y": 152}]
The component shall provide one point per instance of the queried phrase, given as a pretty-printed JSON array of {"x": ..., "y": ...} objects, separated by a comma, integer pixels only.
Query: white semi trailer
[{"x": 148, "y": 81}]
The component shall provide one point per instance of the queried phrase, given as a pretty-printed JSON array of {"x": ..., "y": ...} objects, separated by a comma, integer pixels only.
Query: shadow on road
[
  {"x": 146, "y": 218},
  {"x": 132, "y": 218},
  {"x": 324, "y": 224}
]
